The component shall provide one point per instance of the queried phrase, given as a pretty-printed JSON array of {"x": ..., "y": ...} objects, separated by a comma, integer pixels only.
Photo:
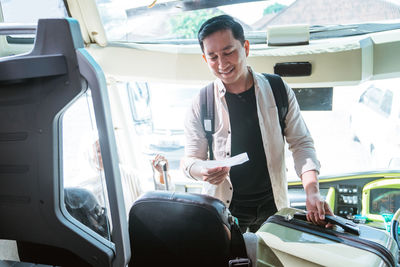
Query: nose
[{"x": 222, "y": 62}]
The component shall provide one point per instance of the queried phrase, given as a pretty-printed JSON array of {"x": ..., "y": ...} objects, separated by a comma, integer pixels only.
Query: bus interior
[{"x": 92, "y": 90}]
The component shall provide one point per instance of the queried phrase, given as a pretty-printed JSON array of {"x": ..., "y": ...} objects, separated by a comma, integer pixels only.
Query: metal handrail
[{"x": 14, "y": 28}]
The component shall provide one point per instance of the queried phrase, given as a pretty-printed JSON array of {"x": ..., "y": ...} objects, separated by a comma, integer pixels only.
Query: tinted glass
[
  {"x": 178, "y": 21},
  {"x": 384, "y": 200},
  {"x": 84, "y": 182}
]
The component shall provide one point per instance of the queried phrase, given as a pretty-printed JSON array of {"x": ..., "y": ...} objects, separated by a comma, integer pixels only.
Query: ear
[
  {"x": 247, "y": 47},
  {"x": 204, "y": 57}
]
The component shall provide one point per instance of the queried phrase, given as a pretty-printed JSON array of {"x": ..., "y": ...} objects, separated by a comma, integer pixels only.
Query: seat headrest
[{"x": 180, "y": 229}]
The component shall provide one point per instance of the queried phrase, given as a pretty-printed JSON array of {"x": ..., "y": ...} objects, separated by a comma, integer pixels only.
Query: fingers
[
  {"x": 319, "y": 213},
  {"x": 317, "y": 207},
  {"x": 160, "y": 158},
  {"x": 321, "y": 210},
  {"x": 214, "y": 171},
  {"x": 155, "y": 162},
  {"x": 217, "y": 180},
  {"x": 328, "y": 209},
  {"x": 312, "y": 216},
  {"x": 316, "y": 214},
  {"x": 329, "y": 225},
  {"x": 215, "y": 175}
]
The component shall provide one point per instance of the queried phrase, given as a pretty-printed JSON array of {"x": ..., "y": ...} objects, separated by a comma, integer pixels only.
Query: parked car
[{"x": 375, "y": 122}]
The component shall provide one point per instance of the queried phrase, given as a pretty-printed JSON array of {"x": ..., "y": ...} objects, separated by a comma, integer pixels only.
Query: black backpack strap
[
  {"x": 238, "y": 247},
  {"x": 207, "y": 114},
  {"x": 281, "y": 97}
]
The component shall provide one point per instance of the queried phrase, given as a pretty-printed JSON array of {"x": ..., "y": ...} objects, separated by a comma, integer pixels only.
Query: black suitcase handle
[{"x": 347, "y": 225}]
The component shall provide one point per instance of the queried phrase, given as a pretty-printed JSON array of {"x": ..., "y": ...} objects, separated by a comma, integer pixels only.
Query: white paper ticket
[{"x": 228, "y": 162}]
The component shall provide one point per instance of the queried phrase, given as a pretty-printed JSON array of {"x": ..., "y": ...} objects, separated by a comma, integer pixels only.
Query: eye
[{"x": 229, "y": 53}]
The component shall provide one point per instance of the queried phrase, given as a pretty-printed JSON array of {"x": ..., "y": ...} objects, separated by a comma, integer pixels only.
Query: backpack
[{"x": 207, "y": 107}]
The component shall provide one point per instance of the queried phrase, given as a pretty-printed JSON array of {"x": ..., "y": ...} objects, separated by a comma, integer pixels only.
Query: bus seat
[
  {"x": 180, "y": 229},
  {"x": 35, "y": 89}
]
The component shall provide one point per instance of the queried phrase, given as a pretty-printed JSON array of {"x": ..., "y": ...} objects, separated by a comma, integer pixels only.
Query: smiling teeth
[{"x": 225, "y": 72}]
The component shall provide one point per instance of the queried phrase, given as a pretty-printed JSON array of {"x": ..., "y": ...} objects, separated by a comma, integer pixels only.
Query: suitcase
[{"x": 287, "y": 239}]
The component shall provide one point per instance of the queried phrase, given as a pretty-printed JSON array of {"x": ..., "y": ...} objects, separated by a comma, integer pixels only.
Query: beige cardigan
[{"x": 296, "y": 133}]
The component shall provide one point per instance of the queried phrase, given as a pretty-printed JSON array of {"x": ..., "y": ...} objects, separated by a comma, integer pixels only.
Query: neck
[{"x": 241, "y": 85}]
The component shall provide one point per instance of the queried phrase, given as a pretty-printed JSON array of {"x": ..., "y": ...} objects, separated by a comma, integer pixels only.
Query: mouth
[{"x": 226, "y": 72}]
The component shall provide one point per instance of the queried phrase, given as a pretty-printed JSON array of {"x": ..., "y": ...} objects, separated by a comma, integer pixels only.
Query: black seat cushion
[{"x": 179, "y": 229}]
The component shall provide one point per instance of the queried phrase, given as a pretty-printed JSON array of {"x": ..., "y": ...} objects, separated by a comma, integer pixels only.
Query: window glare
[
  {"x": 135, "y": 21},
  {"x": 23, "y": 11}
]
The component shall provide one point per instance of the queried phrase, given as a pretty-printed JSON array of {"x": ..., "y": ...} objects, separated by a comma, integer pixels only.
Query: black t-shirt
[{"x": 250, "y": 180}]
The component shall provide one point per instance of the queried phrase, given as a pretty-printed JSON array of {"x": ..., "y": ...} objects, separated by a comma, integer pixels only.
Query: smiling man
[{"x": 246, "y": 120}]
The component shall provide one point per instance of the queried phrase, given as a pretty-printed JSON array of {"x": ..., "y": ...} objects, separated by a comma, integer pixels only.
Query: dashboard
[{"x": 369, "y": 195}]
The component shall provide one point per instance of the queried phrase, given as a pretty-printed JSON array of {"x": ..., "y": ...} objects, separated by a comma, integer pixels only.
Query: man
[{"x": 246, "y": 120}]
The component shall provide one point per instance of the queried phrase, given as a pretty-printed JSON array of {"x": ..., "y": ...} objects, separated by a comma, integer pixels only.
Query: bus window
[
  {"x": 85, "y": 192},
  {"x": 12, "y": 11},
  {"x": 159, "y": 125}
]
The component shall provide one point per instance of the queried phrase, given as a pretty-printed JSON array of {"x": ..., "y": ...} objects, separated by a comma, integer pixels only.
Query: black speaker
[{"x": 293, "y": 69}]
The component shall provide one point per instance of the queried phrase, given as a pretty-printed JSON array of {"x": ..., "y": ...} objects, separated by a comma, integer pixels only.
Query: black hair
[{"x": 218, "y": 23}]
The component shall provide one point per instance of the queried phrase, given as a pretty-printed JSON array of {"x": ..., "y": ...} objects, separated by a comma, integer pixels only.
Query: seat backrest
[
  {"x": 35, "y": 89},
  {"x": 179, "y": 229}
]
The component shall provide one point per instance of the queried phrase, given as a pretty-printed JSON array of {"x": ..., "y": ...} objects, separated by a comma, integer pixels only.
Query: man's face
[{"x": 226, "y": 57}]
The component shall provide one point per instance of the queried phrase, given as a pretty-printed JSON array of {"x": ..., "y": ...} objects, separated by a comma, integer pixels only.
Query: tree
[
  {"x": 275, "y": 8},
  {"x": 186, "y": 25}
]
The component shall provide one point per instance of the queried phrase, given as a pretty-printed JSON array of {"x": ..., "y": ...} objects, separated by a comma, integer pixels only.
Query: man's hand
[
  {"x": 316, "y": 206},
  {"x": 215, "y": 175},
  {"x": 316, "y": 209}
]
